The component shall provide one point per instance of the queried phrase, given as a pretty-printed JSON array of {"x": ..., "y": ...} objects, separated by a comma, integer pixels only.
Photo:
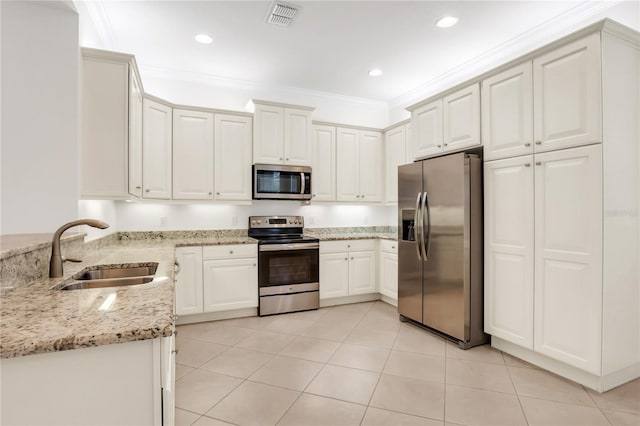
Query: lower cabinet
[
  {"x": 216, "y": 278},
  {"x": 388, "y": 269},
  {"x": 347, "y": 268}
]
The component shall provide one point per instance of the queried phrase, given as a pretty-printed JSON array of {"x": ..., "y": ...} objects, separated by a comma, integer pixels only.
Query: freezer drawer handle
[{"x": 416, "y": 224}]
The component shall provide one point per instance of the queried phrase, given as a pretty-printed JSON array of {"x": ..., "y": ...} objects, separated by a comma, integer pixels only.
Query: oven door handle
[{"x": 292, "y": 246}]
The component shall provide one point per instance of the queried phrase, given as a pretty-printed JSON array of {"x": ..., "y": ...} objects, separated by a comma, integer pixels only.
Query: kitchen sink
[{"x": 119, "y": 275}]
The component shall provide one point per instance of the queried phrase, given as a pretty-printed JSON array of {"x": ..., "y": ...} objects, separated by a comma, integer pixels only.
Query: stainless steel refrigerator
[{"x": 440, "y": 259}]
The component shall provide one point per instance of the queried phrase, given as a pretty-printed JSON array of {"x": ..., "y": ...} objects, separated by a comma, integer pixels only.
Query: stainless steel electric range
[{"x": 288, "y": 272}]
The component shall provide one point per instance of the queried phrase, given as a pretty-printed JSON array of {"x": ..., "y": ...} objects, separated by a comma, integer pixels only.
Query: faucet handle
[{"x": 70, "y": 259}]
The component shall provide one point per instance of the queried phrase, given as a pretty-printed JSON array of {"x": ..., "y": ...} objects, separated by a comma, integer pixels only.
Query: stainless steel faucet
[{"x": 55, "y": 265}]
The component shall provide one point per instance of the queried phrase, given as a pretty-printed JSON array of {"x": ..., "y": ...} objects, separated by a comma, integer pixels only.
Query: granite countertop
[
  {"x": 15, "y": 244},
  {"x": 352, "y": 236}
]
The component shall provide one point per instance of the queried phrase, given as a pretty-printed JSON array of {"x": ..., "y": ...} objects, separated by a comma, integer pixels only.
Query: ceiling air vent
[{"x": 281, "y": 14}]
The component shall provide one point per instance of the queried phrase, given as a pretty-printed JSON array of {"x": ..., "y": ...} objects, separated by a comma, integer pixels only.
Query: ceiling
[{"x": 330, "y": 47}]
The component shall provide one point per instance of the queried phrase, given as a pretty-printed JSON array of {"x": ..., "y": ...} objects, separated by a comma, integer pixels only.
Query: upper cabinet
[
  {"x": 156, "y": 150},
  {"x": 396, "y": 142},
  {"x": 447, "y": 124},
  {"x": 282, "y": 134},
  {"x": 135, "y": 134},
  {"x": 232, "y": 157},
  {"x": 359, "y": 162},
  {"x": 110, "y": 105},
  {"x": 323, "y": 177}
]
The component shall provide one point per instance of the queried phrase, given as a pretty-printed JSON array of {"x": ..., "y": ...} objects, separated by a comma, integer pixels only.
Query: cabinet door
[
  {"x": 568, "y": 256},
  {"x": 297, "y": 137},
  {"x": 461, "y": 115},
  {"x": 426, "y": 123},
  {"x": 232, "y": 157},
  {"x": 408, "y": 143},
  {"x": 168, "y": 378},
  {"x": 567, "y": 96},
  {"x": 268, "y": 135},
  {"x": 371, "y": 169},
  {"x": 323, "y": 182},
  {"x": 507, "y": 113},
  {"x": 230, "y": 284},
  {"x": 334, "y": 275},
  {"x": 156, "y": 150},
  {"x": 347, "y": 161},
  {"x": 192, "y": 155},
  {"x": 135, "y": 135},
  {"x": 362, "y": 272},
  {"x": 508, "y": 239},
  {"x": 389, "y": 275},
  {"x": 395, "y": 147},
  {"x": 104, "y": 129},
  {"x": 189, "y": 280}
]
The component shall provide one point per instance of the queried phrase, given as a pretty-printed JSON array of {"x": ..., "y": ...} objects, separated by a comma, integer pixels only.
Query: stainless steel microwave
[{"x": 279, "y": 182}]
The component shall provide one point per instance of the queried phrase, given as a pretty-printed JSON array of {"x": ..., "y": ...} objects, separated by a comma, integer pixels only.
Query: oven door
[
  {"x": 281, "y": 182},
  {"x": 287, "y": 264}
]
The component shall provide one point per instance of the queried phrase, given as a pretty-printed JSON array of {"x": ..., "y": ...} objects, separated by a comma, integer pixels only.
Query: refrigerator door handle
[
  {"x": 426, "y": 242},
  {"x": 417, "y": 227}
]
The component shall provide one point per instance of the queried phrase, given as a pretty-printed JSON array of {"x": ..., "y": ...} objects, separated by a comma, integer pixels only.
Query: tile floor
[{"x": 359, "y": 365}]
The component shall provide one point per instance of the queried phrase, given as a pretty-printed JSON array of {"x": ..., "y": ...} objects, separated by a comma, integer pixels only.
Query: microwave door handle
[
  {"x": 302, "y": 187},
  {"x": 417, "y": 228}
]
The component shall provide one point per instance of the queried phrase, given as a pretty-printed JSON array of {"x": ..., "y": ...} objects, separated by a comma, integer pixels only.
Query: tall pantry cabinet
[{"x": 562, "y": 238}]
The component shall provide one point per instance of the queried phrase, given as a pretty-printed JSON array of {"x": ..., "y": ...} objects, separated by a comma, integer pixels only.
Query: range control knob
[
  {"x": 258, "y": 221},
  {"x": 253, "y": 222}
]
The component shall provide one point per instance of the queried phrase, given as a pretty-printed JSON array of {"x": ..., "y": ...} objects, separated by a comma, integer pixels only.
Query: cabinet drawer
[
  {"x": 347, "y": 245},
  {"x": 229, "y": 251},
  {"x": 389, "y": 246}
]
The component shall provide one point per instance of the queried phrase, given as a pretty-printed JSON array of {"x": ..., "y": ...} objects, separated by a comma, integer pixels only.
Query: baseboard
[
  {"x": 214, "y": 316},
  {"x": 349, "y": 299},
  {"x": 389, "y": 300}
]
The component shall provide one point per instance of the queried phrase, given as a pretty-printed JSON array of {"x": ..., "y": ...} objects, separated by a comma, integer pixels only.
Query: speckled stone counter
[
  {"x": 37, "y": 317},
  {"x": 353, "y": 233}
]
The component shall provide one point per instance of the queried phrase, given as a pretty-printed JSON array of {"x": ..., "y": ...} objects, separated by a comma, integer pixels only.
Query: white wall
[
  {"x": 143, "y": 216},
  {"x": 40, "y": 124},
  {"x": 104, "y": 210}
]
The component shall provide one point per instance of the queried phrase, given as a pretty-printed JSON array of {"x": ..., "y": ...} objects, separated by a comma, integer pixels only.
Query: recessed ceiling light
[
  {"x": 376, "y": 72},
  {"x": 447, "y": 21},
  {"x": 203, "y": 38}
]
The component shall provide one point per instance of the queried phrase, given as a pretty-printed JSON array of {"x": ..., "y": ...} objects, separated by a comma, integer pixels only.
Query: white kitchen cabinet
[
  {"x": 106, "y": 98},
  {"x": 347, "y": 268},
  {"x": 192, "y": 155},
  {"x": 323, "y": 183},
  {"x": 461, "y": 118},
  {"x": 282, "y": 134},
  {"x": 509, "y": 242},
  {"x": 388, "y": 270},
  {"x": 135, "y": 134},
  {"x": 189, "y": 280},
  {"x": 396, "y": 143},
  {"x": 359, "y": 161},
  {"x": 230, "y": 277},
  {"x": 507, "y": 113},
  {"x": 568, "y": 256},
  {"x": 426, "y": 124},
  {"x": 156, "y": 150},
  {"x": 567, "y": 95},
  {"x": 232, "y": 157}
]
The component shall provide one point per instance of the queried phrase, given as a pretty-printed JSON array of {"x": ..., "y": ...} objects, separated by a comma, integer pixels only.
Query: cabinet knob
[
  {"x": 351, "y": 257},
  {"x": 286, "y": 159},
  {"x": 147, "y": 190},
  {"x": 538, "y": 163},
  {"x": 175, "y": 351},
  {"x": 349, "y": 246},
  {"x": 254, "y": 264},
  {"x": 217, "y": 193},
  {"x": 527, "y": 164},
  {"x": 210, "y": 193},
  {"x": 393, "y": 247},
  {"x": 527, "y": 144},
  {"x": 346, "y": 258},
  {"x": 538, "y": 142},
  {"x": 314, "y": 195},
  {"x": 280, "y": 158},
  {"x": 230, "y": 251},
  {"x": 438, "y": 146},
  {"x": 138, "y": 187},
  {"x": 446, "y": 144}
]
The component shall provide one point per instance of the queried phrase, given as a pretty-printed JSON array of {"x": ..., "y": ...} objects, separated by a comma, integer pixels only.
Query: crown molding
[{"x": 101, "y": 22}]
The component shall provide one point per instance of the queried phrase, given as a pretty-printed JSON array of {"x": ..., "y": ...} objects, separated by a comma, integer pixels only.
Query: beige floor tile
[
  {"x": 480, "y": 407},
  {"x": 313, "y": 315},
  {"x": 619, "y": 418},
  {"x": 341, "y": 316},
  {"x": 378, "y": 417},
  {"x": 380, "y": 321},
  {"x": 545, "y": 385},
  {"x": 331, "y": 330},
  {"x": 181, "y": 339},
  {"x": 288, "y": 325},
  {"x": 344, "y": 383},
  {"x": 194, "y": 353},
  {"x": 385, "y": 308},
  {"x": 362, "y": 357},
  {"x": 371, "y": 337},
  {"x": 237, "y": 362},
  {"x": 215, "y": 332},
  {"x": 310, "y": 349},
  {"x": 265, "y": 341},
  {"x": 516, "y": 362},
  {"x": 200, "y": 390},
  {"x": 291, "y": 373},
  {"x": 185, "y": 418},
  {"x": 410, "y": 396},
  {"x": 480, "y": 375},
  {"x": 417, "y": 366},
  {"x": 313, "y": 410},
  {"x": 483, "y": 353},
  {"x": 623, "y": 398},
  {"x": 413, "y": 339},
  {"x": 550, "y": 413},
  {"x": 254, "y": 404},
  {"x": 361, "y": 308},
  {"x": 182, "y": 370},
  {"x": 253, "y": 323},
  {"x": 208, "y": 421}
]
